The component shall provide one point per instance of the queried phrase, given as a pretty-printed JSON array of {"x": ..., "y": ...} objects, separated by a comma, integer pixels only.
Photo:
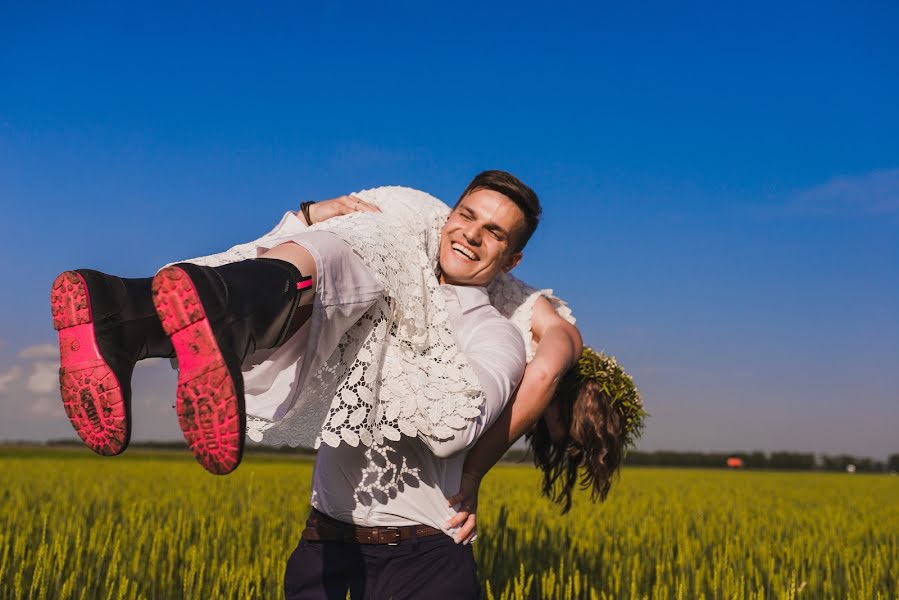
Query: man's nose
[{"x": 472, "y": 235}]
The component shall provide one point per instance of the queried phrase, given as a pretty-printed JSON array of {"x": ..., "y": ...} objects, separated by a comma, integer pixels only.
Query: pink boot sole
[
  {"x": 208, "y": 407},
  {"x": 90, "y": 390}
]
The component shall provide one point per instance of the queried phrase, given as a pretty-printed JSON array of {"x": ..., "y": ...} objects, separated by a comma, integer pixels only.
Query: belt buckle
[{"x": 398, "y": 536}]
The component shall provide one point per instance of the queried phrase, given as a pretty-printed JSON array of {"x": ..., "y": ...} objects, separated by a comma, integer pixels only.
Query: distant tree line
[
  {"x": 795, "y": 461},
  {"x": 798, "y": 461}
]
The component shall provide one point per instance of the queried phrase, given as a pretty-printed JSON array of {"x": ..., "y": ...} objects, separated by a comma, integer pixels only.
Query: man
[
  {"x": 218, "y": 312},
  {"x": 378, "y": 528}
]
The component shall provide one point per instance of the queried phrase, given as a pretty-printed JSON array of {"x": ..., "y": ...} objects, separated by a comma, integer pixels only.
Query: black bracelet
[{"x": 304, "y": 209}]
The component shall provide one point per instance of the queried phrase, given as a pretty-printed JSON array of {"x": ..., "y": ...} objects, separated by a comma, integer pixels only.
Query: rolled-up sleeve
[{"x": 496, "y": 353}]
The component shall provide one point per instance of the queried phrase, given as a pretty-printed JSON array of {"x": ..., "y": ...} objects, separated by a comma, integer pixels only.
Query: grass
[{"x": 152, "y": 524}]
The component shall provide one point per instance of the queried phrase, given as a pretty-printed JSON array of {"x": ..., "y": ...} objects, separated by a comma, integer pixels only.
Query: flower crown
[{"x": 620, "y": 387}]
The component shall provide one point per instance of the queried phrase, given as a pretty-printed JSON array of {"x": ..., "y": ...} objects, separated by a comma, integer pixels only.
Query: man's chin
[{"x": 456, "y": 278}]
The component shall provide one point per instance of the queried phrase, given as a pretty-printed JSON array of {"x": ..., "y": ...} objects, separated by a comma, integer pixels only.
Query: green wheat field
[{"x": 154, "y": 525}]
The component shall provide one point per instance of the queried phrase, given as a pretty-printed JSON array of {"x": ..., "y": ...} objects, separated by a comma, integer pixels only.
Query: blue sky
[{"x": 720, "y": 184}]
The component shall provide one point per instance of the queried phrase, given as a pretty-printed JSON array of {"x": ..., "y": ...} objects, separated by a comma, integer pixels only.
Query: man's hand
[
  {"x": 467, "y": 501},
  {"x": 335, "y": 207}
]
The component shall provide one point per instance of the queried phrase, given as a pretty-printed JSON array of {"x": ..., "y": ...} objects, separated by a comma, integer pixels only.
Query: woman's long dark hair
[{"x": 593, "y": 449}]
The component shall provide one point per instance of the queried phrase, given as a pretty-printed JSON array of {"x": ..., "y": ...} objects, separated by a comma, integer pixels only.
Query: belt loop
[{"x": 415, "y": 538}]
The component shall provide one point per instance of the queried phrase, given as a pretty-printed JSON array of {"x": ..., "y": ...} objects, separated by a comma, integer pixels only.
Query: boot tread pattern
[
  {"x": 91, "y": 394},
  {"x": 208, "y": 408}
]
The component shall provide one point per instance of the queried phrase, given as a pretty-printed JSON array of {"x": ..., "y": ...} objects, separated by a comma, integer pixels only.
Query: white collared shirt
[{"x": 407, "y": 482}]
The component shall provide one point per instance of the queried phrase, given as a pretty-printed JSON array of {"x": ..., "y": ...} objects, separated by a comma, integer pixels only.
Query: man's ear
[{"x": 512, "y": 262}]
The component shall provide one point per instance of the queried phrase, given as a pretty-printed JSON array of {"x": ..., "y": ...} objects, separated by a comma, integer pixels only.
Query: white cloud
[
  {"x": 46, "y": 407},
  {"x": 40, "y": 351},
  {"x": 31, "y": 408},
  {"x": 874, "y": 193},
  {"x": 44, "y": 377},
  {"x": 8, "y": 376}
]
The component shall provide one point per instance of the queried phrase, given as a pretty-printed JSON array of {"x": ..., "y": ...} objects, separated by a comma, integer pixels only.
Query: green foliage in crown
[{"x": 620, "y": 387}]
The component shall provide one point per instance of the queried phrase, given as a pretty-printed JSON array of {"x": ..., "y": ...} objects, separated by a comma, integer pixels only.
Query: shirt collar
[{"x": 470, "y": 296}]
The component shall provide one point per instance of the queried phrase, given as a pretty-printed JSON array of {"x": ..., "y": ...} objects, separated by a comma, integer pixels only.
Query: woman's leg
[
  {"x": 345, "y": 290},
  {"x": 215, "y": 318},
  {"x": 211, "y": 318},
  {"x": 300, "y": 258}
]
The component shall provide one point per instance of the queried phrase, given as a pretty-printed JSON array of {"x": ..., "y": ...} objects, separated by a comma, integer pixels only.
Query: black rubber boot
[
  {"x": 216, "y": 317},
  {"x": 106, "y": 324}
]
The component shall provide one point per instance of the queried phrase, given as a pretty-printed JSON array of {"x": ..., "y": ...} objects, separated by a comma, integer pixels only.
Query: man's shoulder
[
  {"x": 492, "y": 325},
  {"x": 490, "y": 315}
]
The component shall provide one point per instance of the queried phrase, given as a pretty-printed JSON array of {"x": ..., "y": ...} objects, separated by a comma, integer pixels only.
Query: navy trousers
[{"x": 432, "y": 568}]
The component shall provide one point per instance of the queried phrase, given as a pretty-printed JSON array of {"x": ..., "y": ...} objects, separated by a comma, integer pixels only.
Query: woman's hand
[
  {"x": 335, "y": 207},
  {"x": 466, "y": 517}
]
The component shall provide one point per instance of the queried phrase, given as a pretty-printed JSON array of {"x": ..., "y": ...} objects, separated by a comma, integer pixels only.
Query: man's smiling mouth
[{"x": 464, "y": 251}]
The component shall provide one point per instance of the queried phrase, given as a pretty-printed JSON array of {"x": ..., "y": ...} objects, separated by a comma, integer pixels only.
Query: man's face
[{"x": 478, "y": 239}]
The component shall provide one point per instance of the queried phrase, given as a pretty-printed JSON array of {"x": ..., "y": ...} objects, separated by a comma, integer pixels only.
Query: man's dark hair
[{"x": 512, "y": 188}]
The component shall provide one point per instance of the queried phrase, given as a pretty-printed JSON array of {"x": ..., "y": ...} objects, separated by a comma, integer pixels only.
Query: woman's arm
[
  {"x": 558, "y": 348},
  {"x": 335, "y": 207}
]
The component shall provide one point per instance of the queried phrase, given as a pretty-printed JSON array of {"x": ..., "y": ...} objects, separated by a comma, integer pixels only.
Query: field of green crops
[{"x": 154, "y": 525}]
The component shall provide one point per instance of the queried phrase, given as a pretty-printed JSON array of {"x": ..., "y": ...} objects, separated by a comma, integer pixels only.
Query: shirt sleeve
[{"x": 496, "y": 353}]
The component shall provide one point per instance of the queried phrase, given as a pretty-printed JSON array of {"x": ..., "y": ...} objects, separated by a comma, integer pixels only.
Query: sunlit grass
[{"x": 154, "y": 525}]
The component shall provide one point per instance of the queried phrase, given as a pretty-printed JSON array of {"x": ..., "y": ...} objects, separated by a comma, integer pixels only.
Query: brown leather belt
[{"x": 322, "y": 528}]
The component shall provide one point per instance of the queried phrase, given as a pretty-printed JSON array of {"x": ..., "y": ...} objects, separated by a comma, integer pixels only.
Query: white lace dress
[{"x": 396, "y": 370}]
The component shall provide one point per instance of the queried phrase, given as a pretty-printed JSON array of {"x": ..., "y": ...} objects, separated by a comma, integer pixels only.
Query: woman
[
  {"x": 312, "y": 366},
  {"x": 106, "y": 324}
]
